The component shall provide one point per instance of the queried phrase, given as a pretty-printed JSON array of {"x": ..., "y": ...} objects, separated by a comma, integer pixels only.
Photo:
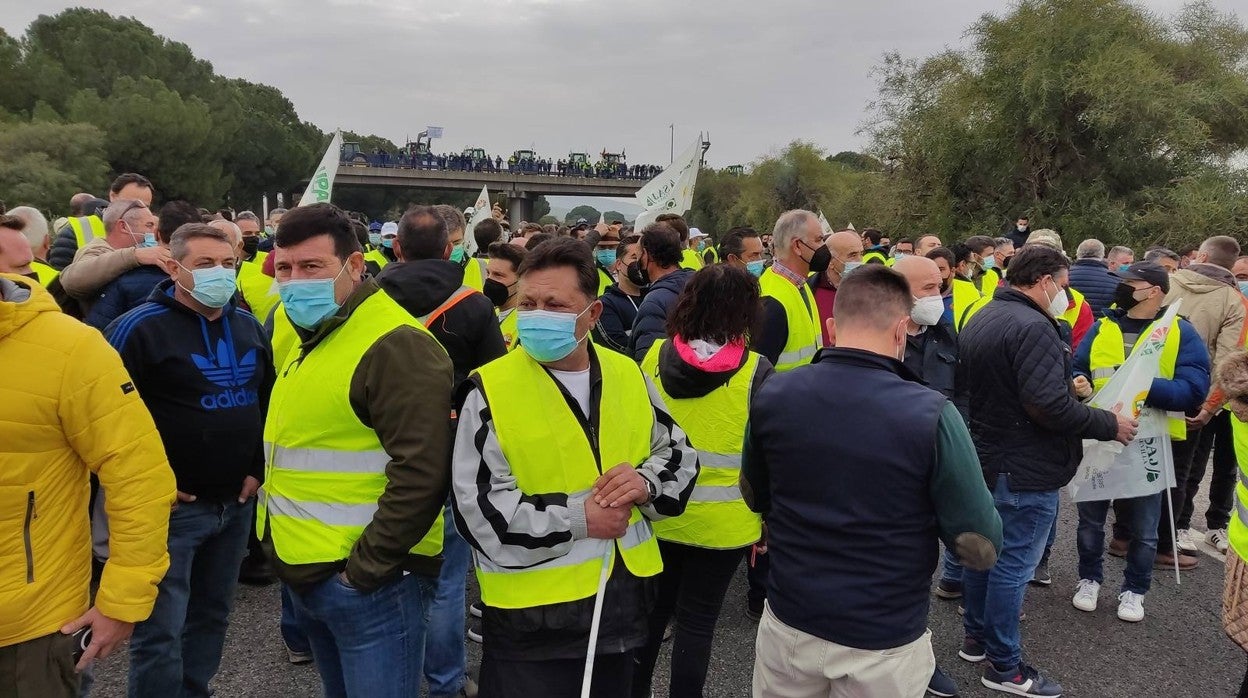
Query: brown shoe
[
  {"x": 1118, "y": 547},
  {"x": 1165, "y": 561}
]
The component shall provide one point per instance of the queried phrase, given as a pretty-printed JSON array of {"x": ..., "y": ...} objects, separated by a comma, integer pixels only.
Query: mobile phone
[{"x": 82, "y": 640}]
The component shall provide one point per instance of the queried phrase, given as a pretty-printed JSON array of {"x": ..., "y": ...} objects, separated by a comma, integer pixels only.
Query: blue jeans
[
  {"x": 1145, "y": 512},
  {"x": 950, "y": 569},
  {"x": 994, "y": 598},
  {"x": 446, "y": 657},
  {"x": 292, "y": 634},
  {"x": 367, "y": 645},
  {"x": 177, "y": 650}
]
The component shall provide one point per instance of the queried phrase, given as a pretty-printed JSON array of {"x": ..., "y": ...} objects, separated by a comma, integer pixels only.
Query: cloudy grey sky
[{"x": 561, "y": 75}]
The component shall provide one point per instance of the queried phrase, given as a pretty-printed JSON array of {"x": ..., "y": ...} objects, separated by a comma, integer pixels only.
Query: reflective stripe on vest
[
  {"x": 716, "y": 515},
  {"x": 86, "y": 229},
  {"x": 326, "y": 469},
  {"x": 803, "y": 323},
  {"x": 446, "y": 305},
  {"x": 1237, "y": 531},
  {"x": 1107, "y": 353},
  {"x": 1071, "y": 316},
  {"x": 549, "y": 451},
  {"x": 874, "y": 257}
]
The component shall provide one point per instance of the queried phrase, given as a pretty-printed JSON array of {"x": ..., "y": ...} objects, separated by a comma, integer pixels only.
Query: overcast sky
[{"x": 561, "y": 75}]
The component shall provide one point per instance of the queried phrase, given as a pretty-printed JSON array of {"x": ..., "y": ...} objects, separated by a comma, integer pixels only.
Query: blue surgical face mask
[
  {"x": 989, "y": 263},
  {"x": 374, "y": 239},
  {"x": 214, "y": 286},
  {"x": 756, "y": 267},
  {"x": 457, "y": 253},
  {"x": 546, "y": 335},
  {"x": 149, "y": 239},
  {"x": 849, "y": 267},
  {"x": 388, "y": 243},
  {"x": 1123, "y": 267},
  {"x": 309, "y": 301},
  {"x": 1243, "y": 288},
  {"x": 605, "y": 257}
]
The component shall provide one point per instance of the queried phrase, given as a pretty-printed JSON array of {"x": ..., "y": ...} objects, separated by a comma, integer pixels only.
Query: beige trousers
[{"x": 792, "y": 664}]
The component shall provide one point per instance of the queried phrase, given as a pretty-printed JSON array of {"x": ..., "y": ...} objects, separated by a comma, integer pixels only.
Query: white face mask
[
  {"x": 1057, "y": 306},
  {"x": 927, "y": 310}
]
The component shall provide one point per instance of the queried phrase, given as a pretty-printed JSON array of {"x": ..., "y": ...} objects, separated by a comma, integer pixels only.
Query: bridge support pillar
[{"x": 520, "y": 208}]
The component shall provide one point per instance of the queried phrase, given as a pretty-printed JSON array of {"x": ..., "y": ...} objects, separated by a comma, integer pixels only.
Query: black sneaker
[
  {"x": 941, "y": 684},
  {"x": 1021, "y": 680},
  {"x": 948, "y": 589},
  {"x": 972, "y": 650},
  {"x": 1041, "y": 576},
  {"x": 754, "y": 609}
]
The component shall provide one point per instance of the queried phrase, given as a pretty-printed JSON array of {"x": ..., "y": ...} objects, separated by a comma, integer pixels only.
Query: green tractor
[
  {"x": 474, "y": 153},
  {"x": 353, "y": 154},
  {"x": 736, "y": 170}
]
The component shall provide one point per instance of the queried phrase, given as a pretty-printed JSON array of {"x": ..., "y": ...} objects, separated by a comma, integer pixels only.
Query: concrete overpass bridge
[{"x": 522, "y": 189}]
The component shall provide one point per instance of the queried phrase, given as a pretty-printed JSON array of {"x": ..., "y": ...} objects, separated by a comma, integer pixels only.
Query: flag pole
[
  {"x": 1174, "y": 538},
  {"x": 588, "y": 679}
]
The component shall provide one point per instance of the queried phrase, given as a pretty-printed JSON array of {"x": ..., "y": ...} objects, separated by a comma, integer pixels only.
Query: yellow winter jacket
[{"x": 67, "y": 407}]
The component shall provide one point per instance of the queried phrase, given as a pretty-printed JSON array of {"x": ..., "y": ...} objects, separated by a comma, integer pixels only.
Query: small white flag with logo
[{"x": 481, "y": 211}]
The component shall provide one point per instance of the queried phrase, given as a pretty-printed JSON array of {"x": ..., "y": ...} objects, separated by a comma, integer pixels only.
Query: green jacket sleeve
[{"x": 965, "y": 512}]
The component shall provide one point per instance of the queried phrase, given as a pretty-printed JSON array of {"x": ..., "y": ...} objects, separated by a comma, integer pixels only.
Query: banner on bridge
[{"x": 321, "y": 186}]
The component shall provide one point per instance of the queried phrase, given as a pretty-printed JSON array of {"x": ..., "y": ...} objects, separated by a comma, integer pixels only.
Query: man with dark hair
[
  {"x": 620, "y": 300},
  {"x": 82, "y": 229},
  {"x": 204, "y": 369},
  {"x": 874, "y": 251},
  {"x": 1028, "y": 428},
  {"x": 689, "y": 259},
  {"x": 981, "y": 270},
  {"x": 357, "y": 477},
  {"x": 133, "y": 287},
  {"x": 662, "y": 270},
  {"x": 15, "y": 254},
  {"x": 606, "y": 247},
  {"x": 1019, "y": 232},
  {"x": 548, "y": 497},
  {"x": 903, "y": 248},
  {"x": 486, "y": 233},
  {"x": 963, "y": 292},
  {"x": 500, "y": 286},
  {"x": 531, "y": 242},
  {"x": 825, "y": 616},
  {"x": 743, "y": 247},
  {"x": 430, "y": 287}
]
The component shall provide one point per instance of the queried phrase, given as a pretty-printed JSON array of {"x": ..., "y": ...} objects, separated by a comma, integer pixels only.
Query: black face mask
[
  {"x": 1005, "y": 264},
  {"x": 497, "y": 291},
  {"x": 637, "y": 275},
  {"x": 250, "y": 245},
  {"x": 1124, "y": 297},
  {"x": 820, "y": 260}
]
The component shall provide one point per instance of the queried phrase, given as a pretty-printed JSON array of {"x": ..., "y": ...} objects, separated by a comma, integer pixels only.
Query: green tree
[
  {"x": 44, "y": 164},
  {"x": 585, "y": 211},
  {"x": 1102, "y": 114},
  {"x": 541, "y": 207}
]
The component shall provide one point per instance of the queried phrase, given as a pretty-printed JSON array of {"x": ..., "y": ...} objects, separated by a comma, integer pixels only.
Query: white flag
[
  {"x": 433, "y": 131},
  {"x": 1146, "y": 465},
  {"x": 672, "y": 190},
  {"x": 481, "y": 211},
  {"x": 823, "y": 223},
  {"x": 322, "y": 183}
]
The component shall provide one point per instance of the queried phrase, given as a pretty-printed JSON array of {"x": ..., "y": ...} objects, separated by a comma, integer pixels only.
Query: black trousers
[
  {"x": 756, "y": 572},
  {"x": 1215, "y": 439},
  {"x": 692, "y": 587},
  {"x": 1184, "y": 452},
  {"x": 555, "y": 678}
]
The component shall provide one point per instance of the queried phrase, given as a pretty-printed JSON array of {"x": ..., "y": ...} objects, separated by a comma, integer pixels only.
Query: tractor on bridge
[
  {"x": 352, "y": 153},
  {"x": 736, "y": 170},
  {"x": 612, "y": 164}
]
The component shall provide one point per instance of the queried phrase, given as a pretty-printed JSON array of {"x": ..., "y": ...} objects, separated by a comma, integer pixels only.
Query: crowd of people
[
  {"x": 604, "y": 424},
  {"x": 563, "y": 167}
]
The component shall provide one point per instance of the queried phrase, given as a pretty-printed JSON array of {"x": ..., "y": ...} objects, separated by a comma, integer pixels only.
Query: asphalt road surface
[{"x": 1178, "y": 650}]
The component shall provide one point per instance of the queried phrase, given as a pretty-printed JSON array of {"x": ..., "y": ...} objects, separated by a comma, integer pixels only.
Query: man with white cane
[
  {"x": 1181, "y": 383},
  {"x": 563, "y": 456}
]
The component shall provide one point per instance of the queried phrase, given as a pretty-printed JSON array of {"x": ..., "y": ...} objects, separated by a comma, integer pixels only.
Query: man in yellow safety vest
[{"x": 564, "y": 455}]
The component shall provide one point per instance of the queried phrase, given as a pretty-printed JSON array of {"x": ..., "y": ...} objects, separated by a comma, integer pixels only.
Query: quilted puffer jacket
[
  {"x": 67, "y": 407},
  {"x": 1091, "y": 278},
  {"x": 1025, "y": 419}
]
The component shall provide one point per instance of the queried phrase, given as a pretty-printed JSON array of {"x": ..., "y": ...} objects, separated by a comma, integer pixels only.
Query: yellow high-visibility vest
[
  {"x": 45, "y": 272},
  {"x": 87, "y": 228},
  {"x": 1108, "y": 353},
  {"x": 802, "y": 317},
  {"x": 508, "y": 327},
  {"x": 716, "y": 515},
  {"x": 1237, "y": 532},
  {"x": 258, "y": 289},
  {"x": 326, "y": 469},
  {"x": 474, "y": 273},
  {"x": 690, "y": 259},
  {"x": 549, "y": 451}
]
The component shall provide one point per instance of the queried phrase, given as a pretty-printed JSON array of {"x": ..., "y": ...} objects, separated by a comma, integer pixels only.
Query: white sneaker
[
  {"x": 1085, "y": 595},
  {"x": 1218, "y": 539},
  {"x": 1131, "y": 607},
  {"x": 1184, "y": 539}
]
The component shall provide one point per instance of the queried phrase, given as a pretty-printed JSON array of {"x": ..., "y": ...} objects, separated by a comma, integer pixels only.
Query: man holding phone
[{"x": 70, "y": 409}]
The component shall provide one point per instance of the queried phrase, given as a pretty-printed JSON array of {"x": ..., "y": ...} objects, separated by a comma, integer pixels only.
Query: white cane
[{"x": 588, "y": 679}]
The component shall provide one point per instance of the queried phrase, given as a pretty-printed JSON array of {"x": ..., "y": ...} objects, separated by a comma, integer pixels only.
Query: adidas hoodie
[{"x": 206, "y": 383}]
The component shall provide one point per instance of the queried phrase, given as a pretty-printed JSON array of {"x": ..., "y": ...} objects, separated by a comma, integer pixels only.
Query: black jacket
[
  {"x": 468, "y": 330},
  {"x": 64, "y": 247},
  {"x": 683, "y": 381},
  {"x": 651, "y": 321},
  {"x": 1025, "y": 418},
  {"x": 123, "y": 294},
  {"x": 616, "y": 322},
  {"x": 1091, "y": 278},
  {"x": 933, "y": 356},
  {"x": 207, "y": 385}
]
